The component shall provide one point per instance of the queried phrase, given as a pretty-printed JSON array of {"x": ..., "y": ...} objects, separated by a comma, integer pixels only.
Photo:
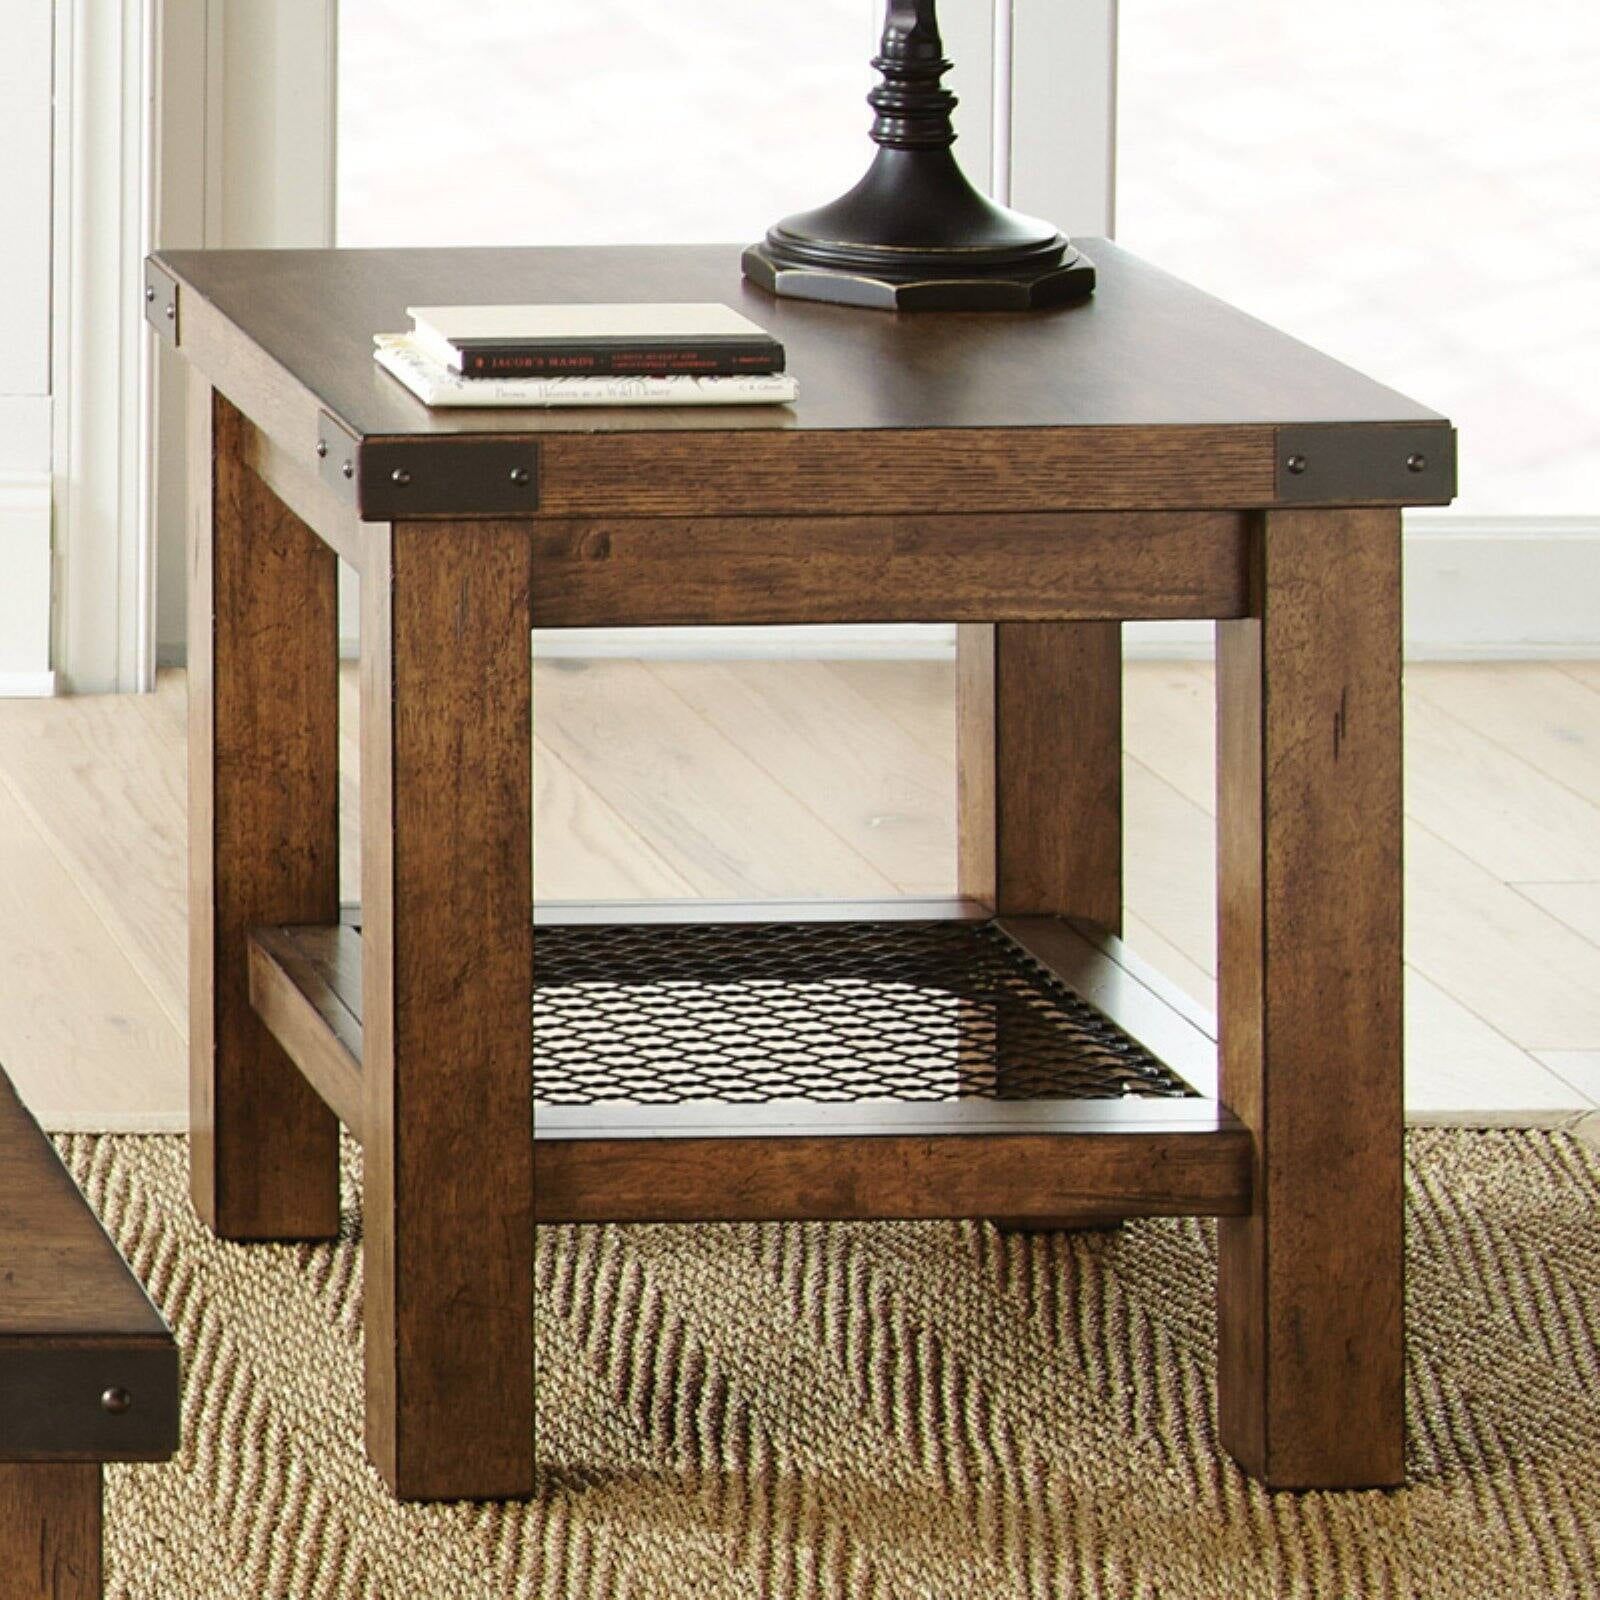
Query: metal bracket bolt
[
  {"x": 116, "y": 1401},
  {"x": 1296, "y": 464},
  {"x": 1416, "y": 462}
]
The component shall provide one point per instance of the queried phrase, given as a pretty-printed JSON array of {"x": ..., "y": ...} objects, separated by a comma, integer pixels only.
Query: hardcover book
[
  {"x": 594, "y": 340},
  {"x": 438, "y": 385}
]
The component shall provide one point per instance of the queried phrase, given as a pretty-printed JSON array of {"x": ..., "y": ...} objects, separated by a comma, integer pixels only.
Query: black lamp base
[
  {"x": 935, "y": 285},
  {"x": 914, "y": 235}
]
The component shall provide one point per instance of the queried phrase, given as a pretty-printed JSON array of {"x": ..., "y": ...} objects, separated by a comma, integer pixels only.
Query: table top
[
  {"x": 1146, "y": 349},
  {"x": 1148, "y": 395},
  {"x": 62, "y": 1275}
]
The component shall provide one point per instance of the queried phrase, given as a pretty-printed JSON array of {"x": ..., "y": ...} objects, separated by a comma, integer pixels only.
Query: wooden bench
[{"x": 88, "y": 1370}]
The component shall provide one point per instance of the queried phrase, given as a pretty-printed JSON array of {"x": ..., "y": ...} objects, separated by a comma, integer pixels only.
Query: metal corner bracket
[
  {"x": 1382, "y": 463},
  {"x": 160, "y": 293},
  {"x": 400, "y": 477},
  {"x": 338, "y": 458}
]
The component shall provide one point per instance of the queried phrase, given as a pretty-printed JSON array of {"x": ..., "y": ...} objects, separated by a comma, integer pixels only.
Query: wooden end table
[{"x": 1038, "y": 479}]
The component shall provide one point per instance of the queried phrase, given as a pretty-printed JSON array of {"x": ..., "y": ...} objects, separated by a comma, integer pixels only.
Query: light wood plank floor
[{"x": 801, "y": 779}]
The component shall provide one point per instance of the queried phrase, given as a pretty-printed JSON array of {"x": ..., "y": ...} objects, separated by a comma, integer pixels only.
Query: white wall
[{"x": 26, "y": 63}]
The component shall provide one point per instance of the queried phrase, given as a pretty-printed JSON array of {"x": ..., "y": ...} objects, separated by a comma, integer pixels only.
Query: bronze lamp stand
[{"x": 914, "y": 234}]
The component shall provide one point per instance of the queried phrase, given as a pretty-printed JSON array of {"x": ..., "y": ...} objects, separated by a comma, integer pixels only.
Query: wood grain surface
[
  {"x": 50, "y": 1531},
  {"x": 1039, "y": 768},
  {"x": 302, "y": 1003},
  {"x": 1039, "y": 785},
  {"x": 263, "y": 829},
  {"x": 60, "y": 1275},
  {"x": 447, "y": 892},
  {"x": 700, "y": 571},
  {"x": 1308, "y": 771},
  {"x": 1145, "y": 350},
  {"x": 1096, "y": 1176}
]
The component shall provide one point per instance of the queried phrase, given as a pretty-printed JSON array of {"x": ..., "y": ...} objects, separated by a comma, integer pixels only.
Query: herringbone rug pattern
[{"x": 896, "y": 1411}]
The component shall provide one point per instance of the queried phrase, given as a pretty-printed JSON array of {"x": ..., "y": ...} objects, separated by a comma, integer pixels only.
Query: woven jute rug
[{"x": 899, "y": 1411}]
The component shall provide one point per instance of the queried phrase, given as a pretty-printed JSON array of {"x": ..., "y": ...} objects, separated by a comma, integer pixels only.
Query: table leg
[
  {"x": 50, "y": 1531},
  {"x": 1311, "y": 1293},
  {"x": 1039, "y": 775},
  {"x": 447, "y": 949},
  {"x": 263, "y": 829},
  {"x": 1039, "y": 768}
]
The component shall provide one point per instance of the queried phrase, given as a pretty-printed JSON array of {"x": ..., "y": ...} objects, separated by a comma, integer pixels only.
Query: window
[
  {"x": 614, "y": 121},
  {"x": 1411, "y": 185}
]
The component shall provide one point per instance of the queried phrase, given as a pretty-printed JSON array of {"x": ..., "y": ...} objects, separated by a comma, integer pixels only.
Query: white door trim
[{"x": 103, "y": 638}]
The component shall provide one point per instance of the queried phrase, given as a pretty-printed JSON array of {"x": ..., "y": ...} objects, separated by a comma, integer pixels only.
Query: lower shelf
[{"x": 805, "y": 1066}]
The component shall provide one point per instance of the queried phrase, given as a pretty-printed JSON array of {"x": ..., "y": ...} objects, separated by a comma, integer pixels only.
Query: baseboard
[
  {"x": 25, "y": 584},
  {"x": 28, "y": 685},
  {"x": 1476, "y": 589},
  {"x": 1501, "y": 588}
]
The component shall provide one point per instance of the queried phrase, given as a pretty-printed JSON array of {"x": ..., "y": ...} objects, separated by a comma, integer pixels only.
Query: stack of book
[{"x": 565, "y": 355}]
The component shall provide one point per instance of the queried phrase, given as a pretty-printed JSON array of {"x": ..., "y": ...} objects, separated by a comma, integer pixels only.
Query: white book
[
  {"x": 513, "y": 324},
  {"x": 437, "y": 385}
]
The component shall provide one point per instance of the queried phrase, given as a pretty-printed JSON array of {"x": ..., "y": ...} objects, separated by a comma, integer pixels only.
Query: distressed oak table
[{"x": 1037, "y": 479}]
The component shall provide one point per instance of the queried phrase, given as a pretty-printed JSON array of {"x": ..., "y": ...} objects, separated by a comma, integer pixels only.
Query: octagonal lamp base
[{"x": 927, "y": 285}]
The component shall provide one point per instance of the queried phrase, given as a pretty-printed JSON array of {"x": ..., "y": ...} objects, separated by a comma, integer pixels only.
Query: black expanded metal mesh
[{"x": 837, "y": 1011}]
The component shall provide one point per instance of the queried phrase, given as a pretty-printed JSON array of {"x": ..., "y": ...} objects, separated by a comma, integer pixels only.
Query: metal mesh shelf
[{"x": 835, "y": 1012}]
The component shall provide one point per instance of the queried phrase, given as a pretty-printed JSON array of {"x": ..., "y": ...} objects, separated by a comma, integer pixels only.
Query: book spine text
[{"x": 583, "y": 361}]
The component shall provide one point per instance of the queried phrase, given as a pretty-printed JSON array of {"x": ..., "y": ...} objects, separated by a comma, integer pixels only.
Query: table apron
[{"x": 1047, "y": 566}]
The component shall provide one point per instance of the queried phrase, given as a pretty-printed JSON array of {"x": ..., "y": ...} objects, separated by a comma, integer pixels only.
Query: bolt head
[
  {"x": 400, "y": 476},
  {"x": 1296, "y": 464},
  {"x": 1416, "y": 462},
  {"x": 520, "y": 476},
  {"x": 348, "y": 468},
  {"x": 149, "y": 293},
  {"x": 172, "y": 311},
  {"x": 322, "y": 449},
  {"x": 116, "y": 1401}
]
